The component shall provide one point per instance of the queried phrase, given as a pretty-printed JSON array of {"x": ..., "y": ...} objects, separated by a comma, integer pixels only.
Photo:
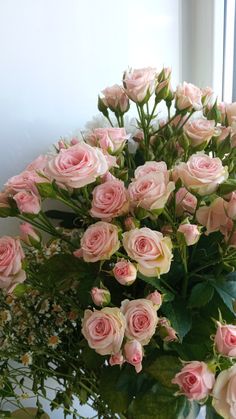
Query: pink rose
[
  {"x": 99, "y": 242},
  {"x": 131, "y": 222},
  {"x": 222, "y": 133},
  {"x": 11, "y": 256},
  {"x": 116, "y": 359},
  {"x": 104, "y": 330},
  {"x": 213, "y": 217},
  {"x": 116, "y": 99},
  {"x": 100, "y": 296},
  {"x": 125, "y": 272},
  {"x": 77, "y": 166},
  {"x": 222, "y": 109},
  {"x": 208, "y": 97},
  {"x": 150, "y": 191},
  {"x": 27, "y": 202},
  {"x": 185, "y": 202},
  {"x": 109, "y": 200},
  {"x": 29, "y": 235},
  {"x": 225, "y": 339},
  {"x": 224, "y": 393},
  {"x": 231, "y": 207},
  {"x": 202, "y": 174},
  {"x": 188, "y": 97},
  {"x": 199, "y": 131},
  {"x": 231, "y": 113},
  {"x": 141, "y": 319},
  {"x": 150, "y": 249},
  {"x": 195, "y": 380},
  {"x": 190, "y": 232},
  {"x": 166, "y": 331},
  {"x": 108, "y": 139},
  {"x": 140, "y": 84},
  {"x": 133, "y": 352},
  {"x": 152, "y": 167},
  {"x": 156, "y": 298},
  {"x": 25, "y": 181},
  {"x": 38, "y": 164}
]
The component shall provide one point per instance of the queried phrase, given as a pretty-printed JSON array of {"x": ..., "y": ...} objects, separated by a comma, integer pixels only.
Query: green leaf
[
  {"x": 179, "y": 316},
  {"x": 223, "y": 147},
  {"x": 158, "y": 403},
  {"x": 227, "y": 187},
  {"x": 156, "y": 283},
  {"x": 46, "y": 190},
  {"x": 20, "y": 290},
  {"x": 211, "y": 413},
  {"x": 201, "y": 294},
  {"x": 227, "y": 292},
  {"x": 91, "y": 359},
  {"x": 163, "y": 369},
  {"x": 116, "y": 399}
]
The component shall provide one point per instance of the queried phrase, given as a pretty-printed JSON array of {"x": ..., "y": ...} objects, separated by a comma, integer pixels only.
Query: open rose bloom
[{"x": 120, "y": 283}]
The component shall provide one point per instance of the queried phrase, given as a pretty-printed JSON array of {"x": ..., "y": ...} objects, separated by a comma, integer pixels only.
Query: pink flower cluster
[{"x": 122, "y": 332}]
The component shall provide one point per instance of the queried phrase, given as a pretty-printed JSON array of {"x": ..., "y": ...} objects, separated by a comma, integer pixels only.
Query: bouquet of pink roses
[{"x": 128, "y": 301}]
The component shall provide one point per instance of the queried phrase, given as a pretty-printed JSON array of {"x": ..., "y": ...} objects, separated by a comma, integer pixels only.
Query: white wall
[{"x": 55, "y": 57}]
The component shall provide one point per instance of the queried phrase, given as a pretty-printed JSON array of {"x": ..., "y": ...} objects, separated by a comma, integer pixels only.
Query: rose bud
[
  {"x": 133, "y": 352},
  {"x": 131, "y": 223},
  {"x": 115, "y": 99},
  {"x": 116, "y": 359},
  {"x": 231, "y": 207},
  {"x": 188, "y": 97},
  {"x": 195, "y": 380},
  {"x": 185, "y": 202},
  {"x": 125, "y": 272},
  {"x": 100, "y": 296},
  {"x": 156, "y": 298},
  {"x": 29, "y": 235},
  {"x": 191, "y": 233},
  {"x": 166, "y": 331},
  {"x": 225, "y": 339}
]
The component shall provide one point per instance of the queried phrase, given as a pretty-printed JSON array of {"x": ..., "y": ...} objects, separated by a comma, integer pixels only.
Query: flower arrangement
[{"x": 128, "y": 301}]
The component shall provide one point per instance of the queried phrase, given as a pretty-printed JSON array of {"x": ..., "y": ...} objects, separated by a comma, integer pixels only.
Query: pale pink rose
[
  {"x": 231, "y": 207},
  {"x": 27, "y": 202},
  {"x": 225, "y": 339},
  {"x": 166, "y": 331},
  {"x": 188, "y": 97},
  {"x": 140, "y": 84},
  {"x": 222, "y": 109},
  {"x": 152, "y": 167},
  {"x": 4, "y": 200},
  {"x": 199, "y": 131},
  {"x": 104, "y": 330},
  {"x": 38, "y": 164},
  {"x": 61, "y": 145},
  {"x": 185, "y": 202},
  {"x": 195, "y": 380},
  {"x": 141, "y": 319},
  {"x": 156, "y": 298},
  {"x": 77, "y": 166},
  {"x": 208, "y": 97},
  {"x": 133, "y": 352},
  {"x": 191, "y": 233},
  {"x": 108, "y": 139},
  {"x": 115, "y": 98},
  {"x": 202, "y": 174},
  {"x": 29, "y": 235},
  {"x": 224, "y": 398},
  {"x": 150, "y": 191},
  {"x": 116, "y": 359},
  {"x": 231, "y": 113},
  {"x": 213, "y": 217},
  {"x": 99, "y": 242},
  {"x": 222, "y": 133},
  {"x": 74, "y": 141},
  {"x": 125, "y": 272},
  {"x": 25, "y": 181},
  {"x": 150, "y": 249},
  {"x": 11, "y": 256},
  {"x": 110, "y": 200},
  {"x": 100, "y": 296},
  {"x": 107, "y": 177}
]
